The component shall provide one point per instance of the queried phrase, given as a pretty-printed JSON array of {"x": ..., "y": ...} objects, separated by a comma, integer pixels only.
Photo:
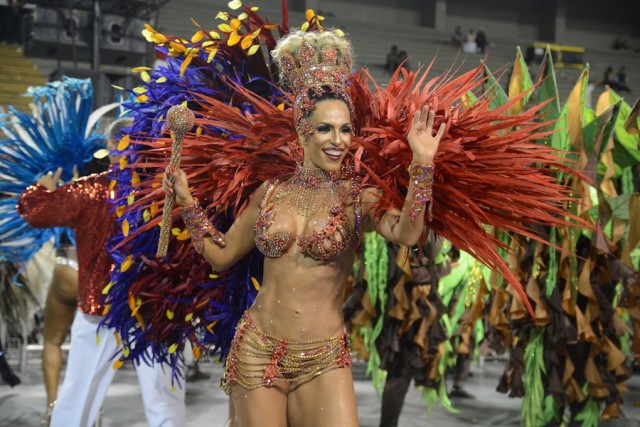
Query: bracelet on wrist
[
  {"x": 422, "y": 177},
  {"x": 199, "y": 226}
]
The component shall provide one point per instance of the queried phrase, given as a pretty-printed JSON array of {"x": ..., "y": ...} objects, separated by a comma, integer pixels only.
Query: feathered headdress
[{"x": 58, "y": 134}]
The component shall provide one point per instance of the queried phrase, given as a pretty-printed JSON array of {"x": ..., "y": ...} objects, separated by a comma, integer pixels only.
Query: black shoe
[
  {"x": 458, "y": 391},
  {"x": 10, "y": 378},
  {"x": 5, "y": 370}
]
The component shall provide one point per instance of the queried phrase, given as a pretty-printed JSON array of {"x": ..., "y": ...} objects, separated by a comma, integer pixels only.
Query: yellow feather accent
[
  {"x": 211, "y": 55},
  {"x": 185, "y": 64},
  {"x": 127, "y": 263},
  {"x": 246, "y": 41},
  {"x": 107, "y": 288},
  {"x": 235, "y": 4},
  {"x": 253, "y": 49},
  {"x": 310, "y": 14},
  {"x": 196, "y": 352},
  {"x": 135, "y": 180},
  {"x": 234, "y": 38},
  {"x": 197, "y": 36}
]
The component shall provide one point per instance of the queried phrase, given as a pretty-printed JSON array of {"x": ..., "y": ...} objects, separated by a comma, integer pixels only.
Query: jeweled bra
[{"x": 311, "y": 191}]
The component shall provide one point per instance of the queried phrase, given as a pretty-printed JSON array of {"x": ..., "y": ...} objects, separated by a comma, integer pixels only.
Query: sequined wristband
[
  {"x": 422, "y": 177},
  {"x": 199, "y": 226}
]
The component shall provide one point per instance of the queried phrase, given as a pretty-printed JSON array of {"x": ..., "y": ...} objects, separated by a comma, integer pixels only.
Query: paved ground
[{"x": 23, "y": 405}]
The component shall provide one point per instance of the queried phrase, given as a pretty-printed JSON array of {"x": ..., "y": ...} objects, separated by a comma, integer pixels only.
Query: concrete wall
[
  {"x": 592, "y": 24},
  {"x": 400, "y": 12}
]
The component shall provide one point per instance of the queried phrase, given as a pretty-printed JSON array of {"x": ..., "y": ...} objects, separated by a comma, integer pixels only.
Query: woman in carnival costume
[
  {"x": 303, "y": 180},
  {"x": 307, "y": 226},
  {"x": 55, "y": 142}
]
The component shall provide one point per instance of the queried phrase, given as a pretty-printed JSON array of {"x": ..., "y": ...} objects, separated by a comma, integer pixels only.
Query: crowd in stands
[
  {"x": 616, "y": 81},
  {"x": 471, "y": 42},
  {"x": 395, "y": 59}
]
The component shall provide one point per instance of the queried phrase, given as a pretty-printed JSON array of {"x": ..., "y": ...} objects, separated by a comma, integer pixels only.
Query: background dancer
[{"x": 84, "y": 206}]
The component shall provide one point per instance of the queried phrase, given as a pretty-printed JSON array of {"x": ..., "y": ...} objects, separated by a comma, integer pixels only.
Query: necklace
[{"x": 312, "y": 190}]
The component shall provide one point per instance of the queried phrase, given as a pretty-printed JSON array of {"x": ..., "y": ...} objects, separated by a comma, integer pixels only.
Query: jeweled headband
[{"x": 312, "y": 75}]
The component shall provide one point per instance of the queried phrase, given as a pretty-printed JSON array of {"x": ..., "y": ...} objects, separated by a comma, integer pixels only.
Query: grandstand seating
[
  {"x": 17, "y": 73},
  {"x": 372, "y": 42}
]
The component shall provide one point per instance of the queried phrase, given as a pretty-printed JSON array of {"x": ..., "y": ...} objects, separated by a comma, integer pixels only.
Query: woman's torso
[{"x": 308, "y": 232}]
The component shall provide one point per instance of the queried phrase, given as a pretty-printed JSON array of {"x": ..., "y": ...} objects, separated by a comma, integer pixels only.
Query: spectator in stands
[
  {"x": 470, "y": 45},
  {"x": 621, "y": 82},
  {"x": 457, "y": 37},
  {"x": 392, "y": 60},
  {"x": 621, "y": 43},
  {"x": 608, "y": 79},
  {"x": 481, "y": 40}
]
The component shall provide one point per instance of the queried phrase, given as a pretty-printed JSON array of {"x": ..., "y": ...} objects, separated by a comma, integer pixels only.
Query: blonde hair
[{"x": 318, "y": 40}]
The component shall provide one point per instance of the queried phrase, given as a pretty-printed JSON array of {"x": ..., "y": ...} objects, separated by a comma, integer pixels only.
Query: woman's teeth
[{"x": 334, "y": 154}]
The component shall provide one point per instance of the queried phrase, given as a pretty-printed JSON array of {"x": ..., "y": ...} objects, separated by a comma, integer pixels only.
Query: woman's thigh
[
  {"x": 64, "y": 284},
  {"x": 60, "y": 307},
  {"x": 262, "y": 407},
  {"x": 327, "y": 400}
]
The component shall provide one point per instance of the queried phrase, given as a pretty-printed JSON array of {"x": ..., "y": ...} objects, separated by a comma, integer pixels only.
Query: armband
[
  {"x": 422, "y": 177},
  {"x": 199, "y": 226}
]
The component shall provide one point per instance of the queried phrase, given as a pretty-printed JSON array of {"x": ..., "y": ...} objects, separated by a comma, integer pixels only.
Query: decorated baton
[{"x": 180, "y": 120}]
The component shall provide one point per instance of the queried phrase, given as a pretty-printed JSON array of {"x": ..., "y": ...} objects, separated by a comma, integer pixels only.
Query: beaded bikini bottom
[{"x": 258, "y": 360}]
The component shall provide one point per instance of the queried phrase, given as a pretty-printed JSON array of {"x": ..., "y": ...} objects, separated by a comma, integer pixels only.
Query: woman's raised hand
[
  {"x": 179, "y": 186},
  {"x": 423, "y": 143},
  {"x": 51, "y": 179}
]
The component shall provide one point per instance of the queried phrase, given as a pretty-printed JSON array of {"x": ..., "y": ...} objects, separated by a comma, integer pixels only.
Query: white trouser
[{"x": 89, "y": 374}]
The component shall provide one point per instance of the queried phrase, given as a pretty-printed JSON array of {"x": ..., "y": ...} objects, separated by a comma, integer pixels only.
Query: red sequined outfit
[
  {"x": 259, "y": 360},
  {"x": 83, "y": 206}
]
